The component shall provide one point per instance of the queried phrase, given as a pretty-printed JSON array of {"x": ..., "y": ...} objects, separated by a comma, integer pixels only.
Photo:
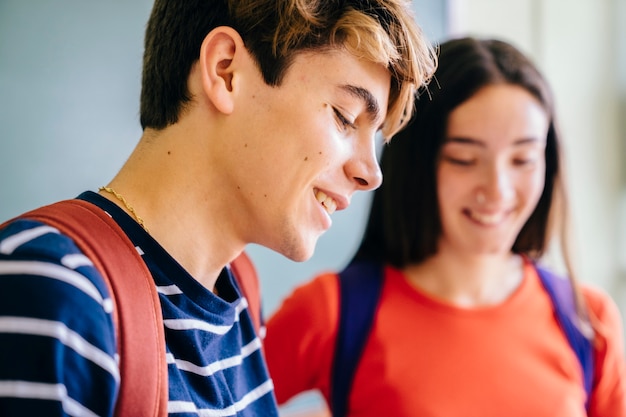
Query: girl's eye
[
  {"x": 459, "y": 161},
  {"x": 345, "y": 123},
  {"x": 521, "y": 162},
  {"x": 526, "y": 161}
]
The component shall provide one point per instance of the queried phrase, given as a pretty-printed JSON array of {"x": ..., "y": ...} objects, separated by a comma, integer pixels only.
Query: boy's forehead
[
  {"x": 349, "y": 75},
  {"x": 350, "y": 63}
]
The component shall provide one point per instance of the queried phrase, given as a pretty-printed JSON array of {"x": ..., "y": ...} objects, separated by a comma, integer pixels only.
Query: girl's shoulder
[{"x": 602, "y": 306}]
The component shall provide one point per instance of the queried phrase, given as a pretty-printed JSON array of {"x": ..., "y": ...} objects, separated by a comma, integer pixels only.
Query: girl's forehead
[{"x": 498, "y": 113}]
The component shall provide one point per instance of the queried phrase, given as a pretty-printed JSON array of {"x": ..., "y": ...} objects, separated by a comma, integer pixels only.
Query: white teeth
[
  {"x": 488, "y": 219},
  {"x": 329, "y": 204}
]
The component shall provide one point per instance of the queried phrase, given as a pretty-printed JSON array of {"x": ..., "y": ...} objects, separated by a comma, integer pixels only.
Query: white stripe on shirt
[
  {"x": 249, "y": 398},
  {"x": 191, "y": 324},
  {"x": 8, "y": 245},
  {"x": 41, "y": 391},
  {"x": 241, "y": 306},
  {"x": 169, "y": 290},
  {"x": 216, "y": 366},
  {"x": 58, "y": 330},
  {"x": 76, "y": 260},
  {"x": 53, "y": 271}
]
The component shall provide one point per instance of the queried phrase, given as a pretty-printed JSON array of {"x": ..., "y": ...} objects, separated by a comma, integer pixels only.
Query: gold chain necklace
[{"x": 128, "y": 206}]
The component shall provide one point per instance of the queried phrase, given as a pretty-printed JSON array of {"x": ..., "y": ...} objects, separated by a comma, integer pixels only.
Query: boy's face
[{"x": 305, "y": 147}]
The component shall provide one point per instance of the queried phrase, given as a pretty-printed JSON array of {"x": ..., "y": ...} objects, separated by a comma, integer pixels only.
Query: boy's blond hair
[{"x": 274, "y": 32}]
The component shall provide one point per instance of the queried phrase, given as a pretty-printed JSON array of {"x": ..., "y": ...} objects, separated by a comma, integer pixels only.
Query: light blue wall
[{"x": 69, "y": 80}]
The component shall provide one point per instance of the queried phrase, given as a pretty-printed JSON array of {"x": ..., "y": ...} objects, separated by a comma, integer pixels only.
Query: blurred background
[{"x": 70, "y": 75}]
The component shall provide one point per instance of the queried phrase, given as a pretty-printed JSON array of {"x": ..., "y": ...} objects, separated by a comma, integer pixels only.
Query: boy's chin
[{"x": 303, "y": 251}]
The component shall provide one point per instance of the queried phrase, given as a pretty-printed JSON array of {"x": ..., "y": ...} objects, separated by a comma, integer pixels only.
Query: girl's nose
[{"x": 497, "y": 186}]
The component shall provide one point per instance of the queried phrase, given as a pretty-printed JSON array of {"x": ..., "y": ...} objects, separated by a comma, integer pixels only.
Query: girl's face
[{"x": 491, "y": 170}]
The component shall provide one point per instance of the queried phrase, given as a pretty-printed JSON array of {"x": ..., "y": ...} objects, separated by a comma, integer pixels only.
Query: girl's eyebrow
[
  {"x": 470, "y": 141},
  {"x": 463, "y": 140}
]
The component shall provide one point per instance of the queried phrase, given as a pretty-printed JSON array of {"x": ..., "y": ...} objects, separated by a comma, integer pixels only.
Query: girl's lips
[{"x": 486, "y": 219}]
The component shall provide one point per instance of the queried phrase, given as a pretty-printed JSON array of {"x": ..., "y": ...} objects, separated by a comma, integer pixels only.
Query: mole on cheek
[{"x": 306, "y": 158}]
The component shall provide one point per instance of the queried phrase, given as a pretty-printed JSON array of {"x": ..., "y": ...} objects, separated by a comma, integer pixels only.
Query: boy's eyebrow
[{"x": 371, "y": 104}]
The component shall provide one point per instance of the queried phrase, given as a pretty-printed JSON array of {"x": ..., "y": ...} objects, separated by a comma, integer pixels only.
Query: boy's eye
[{"x": 342, "y": 119}]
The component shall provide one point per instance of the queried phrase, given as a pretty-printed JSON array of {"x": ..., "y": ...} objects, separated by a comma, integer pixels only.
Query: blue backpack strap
[
  {"x": 360, "y": 286},
  {"x": 562, "y": 295}
]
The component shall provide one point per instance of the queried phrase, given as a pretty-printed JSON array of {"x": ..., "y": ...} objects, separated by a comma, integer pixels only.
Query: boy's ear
[{"x": 218, "y": 64}]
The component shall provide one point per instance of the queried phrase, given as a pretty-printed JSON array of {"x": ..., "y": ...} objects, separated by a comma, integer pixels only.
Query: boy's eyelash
[{"x": 345, "y": 122}]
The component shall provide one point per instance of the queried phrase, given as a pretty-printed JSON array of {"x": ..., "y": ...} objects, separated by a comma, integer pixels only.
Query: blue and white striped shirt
[{"x": 57, "y": 342}]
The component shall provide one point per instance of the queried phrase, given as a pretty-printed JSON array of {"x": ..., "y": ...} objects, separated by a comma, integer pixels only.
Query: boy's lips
[
  {"x": 330, "y": 203},
  {"x": 327, "y": 202}
]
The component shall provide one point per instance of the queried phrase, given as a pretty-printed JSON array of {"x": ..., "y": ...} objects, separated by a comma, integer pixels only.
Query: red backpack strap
[
  {"x": 137, "y": 313},
  {"x": 248, "y": 280}
]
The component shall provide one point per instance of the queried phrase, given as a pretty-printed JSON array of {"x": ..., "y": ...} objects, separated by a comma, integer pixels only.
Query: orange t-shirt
[{"x": 426, "y": 357}]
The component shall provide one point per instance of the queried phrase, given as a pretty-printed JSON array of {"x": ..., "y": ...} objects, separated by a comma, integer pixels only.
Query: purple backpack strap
[
  {"x": 562, "y": 295},
  {"x": 360, "y": 286}
]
